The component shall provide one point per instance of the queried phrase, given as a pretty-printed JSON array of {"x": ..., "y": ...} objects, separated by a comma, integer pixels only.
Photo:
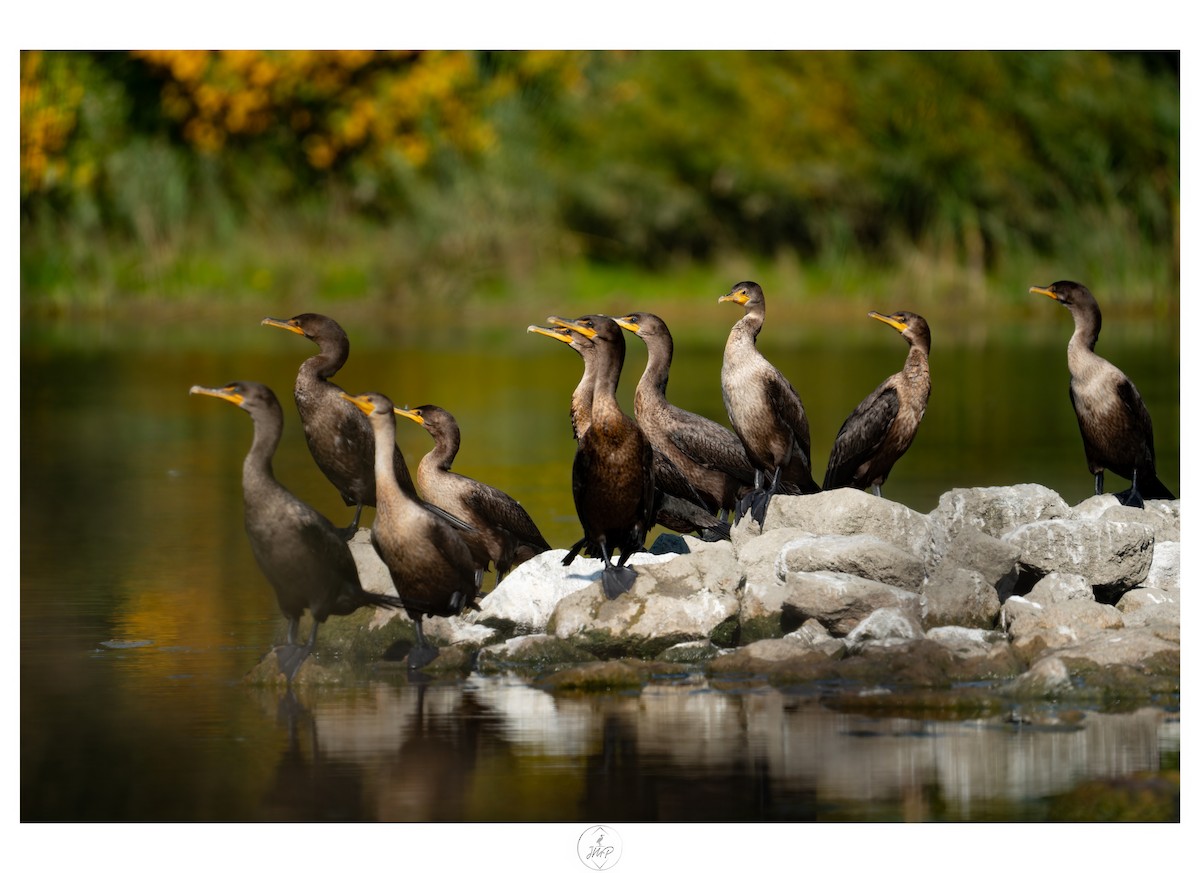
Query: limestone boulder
[
  {"x": 958, "y": 596},
  {"x": 888, "y": 626},
  {"x": 862, "y": 555},
  {"x": 523, "y": 602},
  {"x": 686, "y": 598},
  {"x": 847, "y": 512},
  {"x": 1113, "y": 556},
  {"x": 840, "y": 601},
  {"x": 1062, "y": 624},
  {"x": 967, "y": 642},
  {"x": 994, "y": 511},
  {"x": 989, "y": 556},
  {"x": 1164, "y": 568},
  {"x": 1057, "y": 587}
]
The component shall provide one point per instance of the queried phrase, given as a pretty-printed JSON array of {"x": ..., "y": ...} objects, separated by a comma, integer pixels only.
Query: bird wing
[
  {"x": 670, "y": 479},
  {"x": 1135, "y": 408},
  {"x": 711, "y": 446},
  {"x": 861, "y": 435},
  {"x": 786, "y": 403},
  {"x": 491, "y": 503}
]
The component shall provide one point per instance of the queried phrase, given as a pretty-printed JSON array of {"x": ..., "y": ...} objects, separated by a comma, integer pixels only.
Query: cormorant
[
  {"x": 679, "y": 506},
  {"x": 764, "y": 409},
  {"x": 612, "y": 477},
  {"x": 431, "y": 566},
  {"x": 301, "y": 553},
  {"x": 340, "y": 440},
  {"x": 710, "y": 456},
  {"x": 1113, "y": 419},
  {"x": 509, "y": 534},
  {"x": 882, "y": 427}
]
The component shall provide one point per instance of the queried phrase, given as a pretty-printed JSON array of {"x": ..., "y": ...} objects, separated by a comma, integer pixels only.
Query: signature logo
[{"x": 599, "y": 847}]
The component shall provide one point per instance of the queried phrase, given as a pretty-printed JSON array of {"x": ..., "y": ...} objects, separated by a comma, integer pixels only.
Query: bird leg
[
  {"x": 746, "y": 504},
  {"x": 292, "y": 654},
  {"x": 615, "y": 581},
  {"x": 349, "y": 531},
  {"x": 1132, "y": 497},
  {"x": 1100, "y": 482},
  {"x": 762, "y": 496},
  {"x": 422, "y": 653},
  {"x": 877, "y": 491}
]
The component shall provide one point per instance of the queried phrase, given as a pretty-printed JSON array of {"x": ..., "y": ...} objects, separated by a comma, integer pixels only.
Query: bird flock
[{"x": 664, "y": 465}]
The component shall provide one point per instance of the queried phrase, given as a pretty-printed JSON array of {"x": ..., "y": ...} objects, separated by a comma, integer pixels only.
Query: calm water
[{"x": 141, "y": 606}]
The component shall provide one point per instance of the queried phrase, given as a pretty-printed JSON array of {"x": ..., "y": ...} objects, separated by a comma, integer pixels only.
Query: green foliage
[{"x": 376, "y": 174}]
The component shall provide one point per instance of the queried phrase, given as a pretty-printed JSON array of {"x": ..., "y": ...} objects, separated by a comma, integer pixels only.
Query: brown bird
[
  {"x": 509, "y": 534},
  {"x": 709, "y": 456},
  {"x": 764, "y": 409},
  {"x": 882, "y": 427},
  {"x": 431, "y": 566},
  {"x": 1113, "y": 420},
  {"x": 340, "y": 440},
  {"x": 678, "y": 505},
  {"x": 301, "y": 553},
  {"x": 612, "y": 477}
]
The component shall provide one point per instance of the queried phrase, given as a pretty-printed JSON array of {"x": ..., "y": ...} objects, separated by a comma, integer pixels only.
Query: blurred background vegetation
[{"x": 372, "y": 176}]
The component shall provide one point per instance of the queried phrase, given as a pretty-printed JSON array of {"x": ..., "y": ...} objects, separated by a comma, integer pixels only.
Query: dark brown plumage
[
  {"x": 1113, "y": 420},
  {"x": 508, "y": 533},
  {"x": 764, "y": 409},
  {"x": 709, "y": 456},
  {"x": 340, "y": 440},
  {"x": 882, "y": 427},
  {"x": 678, "y": 506},
  {"x": 612, "y": 478},
  {"x": 300, "y": 552},
  {"x": 431, "y": 566}
]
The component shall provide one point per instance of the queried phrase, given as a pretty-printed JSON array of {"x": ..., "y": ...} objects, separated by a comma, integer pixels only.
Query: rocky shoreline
[{"x": 1004, "y": 590}]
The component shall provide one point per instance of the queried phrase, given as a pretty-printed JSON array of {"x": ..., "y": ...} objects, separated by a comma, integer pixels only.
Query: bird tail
[
  {"x": 615, "y": 580},
  {"x": 1154, "y": 489},
  {"x": 386, "y": 601},
  {"x": 715, "y": 532}
]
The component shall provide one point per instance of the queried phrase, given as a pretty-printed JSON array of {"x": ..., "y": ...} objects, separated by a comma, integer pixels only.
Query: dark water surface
[{"x": 141, "y": 607}]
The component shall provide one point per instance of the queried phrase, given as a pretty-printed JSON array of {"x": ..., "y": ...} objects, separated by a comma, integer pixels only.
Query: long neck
[
  {"x": 581, "y": 398},
  {"x": 746, "y": 331},
  {"x": 608, "y": 375},
  {"x": 916, "y": 365},
  {"x": 652, "y": 387},
  {"x": 1087, "y": 327},
  {"x": 386, "y": 484},
  {"x": 268, "y": 428},
  {"x": 328, "y": 361},
  {"x": 445, "y": 447}
]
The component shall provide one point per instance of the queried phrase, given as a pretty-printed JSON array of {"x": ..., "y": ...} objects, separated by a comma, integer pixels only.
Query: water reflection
[
  {"x": 497, "y": 749},
  {"x": 132, "y": 531}
]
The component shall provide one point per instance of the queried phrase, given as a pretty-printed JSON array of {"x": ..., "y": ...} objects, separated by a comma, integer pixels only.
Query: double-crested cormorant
[
  {"x": 431, "y": 566},
  {"x": 340, "y": 440},
  {"x": 509, "y": 534},
  {"x": 882, "y": 427},
  {"x": 612, "y": 477},
  {"x": 300, "y": 552},
  {"x": 679, "y": 506},
  {"x": 710, "y": 456},
  {"x": 764, "y": 409},
  {"x": 1113, "y": 419}
]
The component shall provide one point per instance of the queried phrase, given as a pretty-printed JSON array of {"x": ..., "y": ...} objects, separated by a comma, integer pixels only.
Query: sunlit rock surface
[{"x": 995, "y": 582}]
